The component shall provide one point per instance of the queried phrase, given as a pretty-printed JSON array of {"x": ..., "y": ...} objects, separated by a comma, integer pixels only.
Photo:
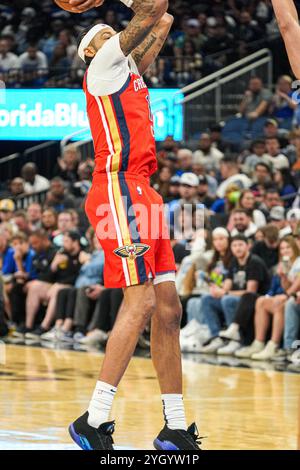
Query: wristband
[{"x": 128, "y": 3}]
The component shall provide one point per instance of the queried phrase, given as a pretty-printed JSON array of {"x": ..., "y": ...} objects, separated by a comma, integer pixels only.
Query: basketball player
[
  {"x": 141, "y": 263},
  {"x": 288, "y": 23}
]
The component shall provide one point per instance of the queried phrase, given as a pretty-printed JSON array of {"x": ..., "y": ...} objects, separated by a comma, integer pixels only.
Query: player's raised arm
[
  {"x": 145, "y": 54},
  {"x": 288, "y": 23},
  {"x": 147, "y": 14}
]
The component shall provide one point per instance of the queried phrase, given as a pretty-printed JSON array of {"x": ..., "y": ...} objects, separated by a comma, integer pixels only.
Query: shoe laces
[{"x": 193, "y": 432}]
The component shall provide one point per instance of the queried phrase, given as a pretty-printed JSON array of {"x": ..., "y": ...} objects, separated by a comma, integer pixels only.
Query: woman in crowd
[
  {"x": 191, "y": 336},
  {"x": 247, "y": 202},
  {"x": 286, "y": 185},
  {"x": 272, "y": 307}
]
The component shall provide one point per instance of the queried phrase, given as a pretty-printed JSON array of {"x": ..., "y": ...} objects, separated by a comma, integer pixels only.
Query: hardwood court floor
[{"x": 42, "y": 391}]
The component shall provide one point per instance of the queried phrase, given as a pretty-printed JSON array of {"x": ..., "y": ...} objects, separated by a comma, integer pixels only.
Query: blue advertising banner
[{"x": 53, "y": 114}]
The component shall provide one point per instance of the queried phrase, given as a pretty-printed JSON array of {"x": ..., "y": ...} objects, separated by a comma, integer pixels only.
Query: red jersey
[{"x": 122, "y": 129}]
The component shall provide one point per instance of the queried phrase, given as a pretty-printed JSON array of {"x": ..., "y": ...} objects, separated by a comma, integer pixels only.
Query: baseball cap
[
  {"x": 293, "y": 214},
  {"x": 277, "y": 213},
  {"x": 193, "y": 22},
  {"x": 175, "y": 180},
  {"x": 7, "y": 205},
  {"x": 202, "y": 179},
  {"x": 190, "y": 179},
  {"x": 273, "y": 122}
]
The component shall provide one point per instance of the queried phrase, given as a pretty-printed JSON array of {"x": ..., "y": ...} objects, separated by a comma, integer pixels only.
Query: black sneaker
[
  {"x": 21, "y": 331},
  {"x": 177, "y": 439},
  {"x": 89, "y": 438},
  {"x": 35, "y": 334}
]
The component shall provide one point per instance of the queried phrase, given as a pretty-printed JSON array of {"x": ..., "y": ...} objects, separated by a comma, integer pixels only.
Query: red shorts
[{"x": 128, "y": 218}]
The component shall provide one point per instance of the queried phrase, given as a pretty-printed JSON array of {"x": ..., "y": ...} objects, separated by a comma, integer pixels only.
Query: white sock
[
  {"x": 100, "y": 404},
  {"x": 233, "y": 328},
  {"x": 173, "y": 410}
]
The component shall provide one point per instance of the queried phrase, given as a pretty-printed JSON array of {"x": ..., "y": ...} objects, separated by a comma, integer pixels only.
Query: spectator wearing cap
[
  {"x": 271, "y": 129},
  {"x": 293, "y": 218},
  {"x": 274, "y": 156},
  {"x": 256, "y": 100},
  {"x": 188, "y": 190},
  {"x": 173, "y": 193},
  {"x": 34, "y": 183},
  {"x": 277, "y": 218},
  {"x": 64, "y": 271},
  {"x": 242, "y": 224},
  {"x": 230, "y": 175},
  {"x": 7, "y": 207},
  {"x": 203, "y": 192},
  {"x": 207, "y": 155}
]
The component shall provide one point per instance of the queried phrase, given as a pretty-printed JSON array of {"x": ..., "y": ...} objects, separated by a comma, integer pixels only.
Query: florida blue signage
[{"x": 53, "y": 114}]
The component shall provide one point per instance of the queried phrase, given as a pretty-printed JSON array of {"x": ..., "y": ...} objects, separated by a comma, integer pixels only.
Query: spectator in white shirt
[
  {"x": 278, "y": 219},
  {"x": 208, "y": 155},
  {"x": 34, "y": 182},
  {"x": 277, "y": 159},
  {"x": 8, "y": 60},
  {"x": 243, "y": 224},
  {"x": 33, "y": 60}
]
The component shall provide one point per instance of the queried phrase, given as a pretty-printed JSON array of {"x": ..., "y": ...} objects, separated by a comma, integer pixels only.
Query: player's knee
[{"x": 170, "y": 316}]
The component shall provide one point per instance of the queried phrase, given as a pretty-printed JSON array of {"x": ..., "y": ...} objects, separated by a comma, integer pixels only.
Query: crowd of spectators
[
  {"x": 237, "y": 250},
  {"x": 238, "y": 255},
  {"x": 38, "y": 40}
]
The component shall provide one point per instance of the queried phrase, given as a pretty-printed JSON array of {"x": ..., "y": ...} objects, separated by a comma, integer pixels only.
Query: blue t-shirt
[{"x": 8, "y": 262}]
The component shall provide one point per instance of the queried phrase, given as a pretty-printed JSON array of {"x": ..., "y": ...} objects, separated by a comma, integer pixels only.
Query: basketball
[{"x": 65, "y": 5}]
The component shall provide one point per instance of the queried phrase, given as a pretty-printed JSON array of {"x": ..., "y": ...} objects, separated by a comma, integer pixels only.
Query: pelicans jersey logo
[{"x": 132, "y": 251}]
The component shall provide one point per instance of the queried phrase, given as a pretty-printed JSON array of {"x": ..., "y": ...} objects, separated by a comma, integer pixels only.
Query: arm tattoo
[
  {"x": 147, "y": 7},
  {"x": 142, "y": 50},
  {"x": 147, "y": 13},
  {"x": 134, "y": 34}
]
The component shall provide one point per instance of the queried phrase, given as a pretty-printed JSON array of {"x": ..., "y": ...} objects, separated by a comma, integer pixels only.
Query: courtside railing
[{"x": 216, "y": 97}]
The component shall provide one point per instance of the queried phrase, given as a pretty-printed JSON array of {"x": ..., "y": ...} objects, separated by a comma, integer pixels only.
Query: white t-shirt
[{"x": 109, "y": 69}]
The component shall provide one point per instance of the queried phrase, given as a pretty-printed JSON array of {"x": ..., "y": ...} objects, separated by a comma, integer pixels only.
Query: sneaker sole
[
  {"x": 164, "y": 445},
  {"x": 80, "y": 440}
]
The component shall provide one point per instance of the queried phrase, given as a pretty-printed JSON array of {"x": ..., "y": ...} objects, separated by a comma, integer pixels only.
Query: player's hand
[{"x": 84, "y": 5}]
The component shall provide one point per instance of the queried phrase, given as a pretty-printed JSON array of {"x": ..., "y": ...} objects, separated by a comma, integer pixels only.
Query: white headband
[{"x": 85, "y": 42}]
